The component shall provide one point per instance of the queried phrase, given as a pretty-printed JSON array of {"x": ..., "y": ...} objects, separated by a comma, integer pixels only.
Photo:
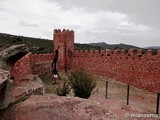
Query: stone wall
[
  {"x": 65, "y": 41},
  {"x": 134, "y": 68},
  {"x": 32, "y": 64},
  {"x": 22, "y": 67},
  {"x": 41, "y": 63}
]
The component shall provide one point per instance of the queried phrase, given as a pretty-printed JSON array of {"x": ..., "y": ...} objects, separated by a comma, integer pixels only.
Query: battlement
[
  {"x": 134, "y": 67},
  {"x": 64, "y": 40},
  {"x": 139, "y": 54},
  {"x": 64, "y": 31},
  {"x": 37, "y": 58}
]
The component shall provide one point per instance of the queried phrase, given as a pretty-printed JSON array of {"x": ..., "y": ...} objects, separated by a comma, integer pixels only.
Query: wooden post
[
  {"x": 127, "y": 94},
  {"x": 106, "y": 89},
  {"x": 157, "y": 109}
]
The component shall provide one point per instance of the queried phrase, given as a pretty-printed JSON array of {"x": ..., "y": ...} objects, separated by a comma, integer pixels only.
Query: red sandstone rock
[
  {"x": 29, "y": 85},
  {"x": 6, "y": 55},
  {"x": 51, "y": 107}
]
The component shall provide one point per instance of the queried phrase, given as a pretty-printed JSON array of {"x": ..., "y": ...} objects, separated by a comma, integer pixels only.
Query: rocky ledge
[
  {"x": 12, "y": 54},
  {"x": 29, "y": 85},
  {"x": 52, "y": 107},
  {"x": 5, "y": 89}
]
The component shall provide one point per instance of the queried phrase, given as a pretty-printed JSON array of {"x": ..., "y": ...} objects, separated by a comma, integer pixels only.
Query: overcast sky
[{"x": 135, "y": 22}]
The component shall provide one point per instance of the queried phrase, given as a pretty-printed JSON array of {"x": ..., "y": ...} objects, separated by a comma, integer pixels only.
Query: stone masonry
[{"x": 134, "y": 68}]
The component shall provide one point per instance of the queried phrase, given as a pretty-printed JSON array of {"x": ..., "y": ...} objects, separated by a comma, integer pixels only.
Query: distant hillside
[
  {"x": 114, "y": 46},
  {"x": 125, "y": 47},
  {"x": 79, "y": 46},
  {"x": 36, "y": 45},
  {"x": 153, "y": 47}
]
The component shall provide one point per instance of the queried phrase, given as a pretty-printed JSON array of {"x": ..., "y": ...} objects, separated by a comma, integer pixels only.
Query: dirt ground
[
  {"x": 118, "y": 91},
  {"x": 140, "y": 102}
]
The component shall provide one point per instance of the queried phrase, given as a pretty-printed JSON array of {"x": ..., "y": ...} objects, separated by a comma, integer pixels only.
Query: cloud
[
  {"x": 113, "y": 21},
  {"x": 2, "y": 9},
  {"x": 139, "y": 24},
  {"x": 25, "y": 24},
  {"x": 140, "y": 11}
]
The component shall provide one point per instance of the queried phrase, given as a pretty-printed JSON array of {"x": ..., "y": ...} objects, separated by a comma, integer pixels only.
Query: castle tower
[{"x": 65, "y": 41}]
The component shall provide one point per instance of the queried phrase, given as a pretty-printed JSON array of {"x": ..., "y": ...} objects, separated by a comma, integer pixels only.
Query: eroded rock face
[
  {"x": 29, "y": 85},
  {"x": 12, "y": 54},
  {"x": 51, "y": 107},
  {"x": 8, "y": 57},
  {"x": 5, "y": 89}
]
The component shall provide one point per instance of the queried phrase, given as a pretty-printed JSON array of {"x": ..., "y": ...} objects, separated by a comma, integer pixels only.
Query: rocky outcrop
[
  {"x": 11, "y": 54},
  {"x": 11, "y": 93},
  {"x": 51, "y": 107},
  {"x": 8, "y": 57},
  {"x": 29, "y": 85},
  {"x": 5, "y": 89},
  {"x": 11, "y": 68}
]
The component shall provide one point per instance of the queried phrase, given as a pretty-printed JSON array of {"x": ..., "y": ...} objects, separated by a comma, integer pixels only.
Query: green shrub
[{"x": 82, "y": 84}]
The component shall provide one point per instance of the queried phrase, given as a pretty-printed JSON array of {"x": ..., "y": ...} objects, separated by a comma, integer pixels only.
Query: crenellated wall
[
  {"x": 41, "y": 63},
  {"x": 64, "y": 40},
  {"x": 32, "y": 64},
  {"x": 134, "y": 68},
  {"x": 38, "y": 58}
]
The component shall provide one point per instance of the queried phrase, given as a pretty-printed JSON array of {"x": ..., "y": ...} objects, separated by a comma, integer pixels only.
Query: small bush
[
  {"x": 58, "y": 87},
  {"x": 63, "y": 88},
  {"x": 82, "y": 84}
]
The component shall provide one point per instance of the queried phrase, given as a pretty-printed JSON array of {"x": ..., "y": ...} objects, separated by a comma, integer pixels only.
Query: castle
[{"x": 133, "y": 68}]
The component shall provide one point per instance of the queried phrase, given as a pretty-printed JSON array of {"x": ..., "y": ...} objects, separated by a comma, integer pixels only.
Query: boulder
[
  {"x": 29, "y": 85},
  {"x": 12, "y": 54},
  {"x": 52, "y": 107},
  {"x": 5, "y": 89}
]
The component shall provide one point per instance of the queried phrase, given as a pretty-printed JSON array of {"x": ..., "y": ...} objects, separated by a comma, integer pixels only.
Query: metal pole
[
  {"x": 65, "y": 55},
  {"x": 106, "y": 89},
  {"x": 157, "y": 109},
  {"x": 127, "y": 94},
  {"x": 65, "y": 69}
]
